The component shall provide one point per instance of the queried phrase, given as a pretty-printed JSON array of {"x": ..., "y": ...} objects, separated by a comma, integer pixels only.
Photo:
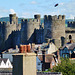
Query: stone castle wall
[
  {"x": 27, "y": 30},
  {"x": 32, "y": 31},
  {"x": 54, "y": 28},
  {"x": 6, "y": 30}
]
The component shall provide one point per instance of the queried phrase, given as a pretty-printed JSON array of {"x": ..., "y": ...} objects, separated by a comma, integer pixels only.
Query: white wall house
[
  {"x": 52, "y": 48},
  {"x": 5, "y": 63}
]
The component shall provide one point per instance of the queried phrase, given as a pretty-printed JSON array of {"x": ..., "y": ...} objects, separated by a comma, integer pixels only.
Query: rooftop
[{"x": 26, "y": 54}]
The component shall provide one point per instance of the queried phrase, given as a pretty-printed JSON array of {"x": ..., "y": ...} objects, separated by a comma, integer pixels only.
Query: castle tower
[
  {"x": 55, "y": 28},
  {"x": 13, "y": 18},
  {"x": 30, "y": 31},
  {"x": 27, "y": 31},
  {"x": 37, "y": 16}
]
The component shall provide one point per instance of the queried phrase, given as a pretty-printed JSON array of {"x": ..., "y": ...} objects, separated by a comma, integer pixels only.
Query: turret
[
  {"x": 37, "y": 16},
  {"x": 13, "y": 18}
]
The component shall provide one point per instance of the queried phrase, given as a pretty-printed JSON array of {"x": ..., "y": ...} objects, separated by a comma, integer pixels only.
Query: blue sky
[{"x": 27, "y": 8}]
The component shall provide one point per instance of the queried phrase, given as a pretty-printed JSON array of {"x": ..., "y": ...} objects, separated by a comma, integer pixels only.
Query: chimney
[{"x": 25, "y": 48}]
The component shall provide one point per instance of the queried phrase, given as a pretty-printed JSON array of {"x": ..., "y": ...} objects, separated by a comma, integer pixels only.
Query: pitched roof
[
  {"x": 48, "y": 57},
  {"x": 52, "y": 48},
  {"x": 70, "y": 46},
  {"x": 3, "y": 59}
]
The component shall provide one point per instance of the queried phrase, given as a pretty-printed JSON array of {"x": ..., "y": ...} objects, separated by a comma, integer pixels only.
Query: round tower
[
  {"x": 27, "y": 31},
  {"x": 6, "y": 35},
  {"x": 58, "y": 30},
  {"x": 12, "y": 18},
  {"x": 30, "y": 31},
  {"x": 55, "y": 29}
]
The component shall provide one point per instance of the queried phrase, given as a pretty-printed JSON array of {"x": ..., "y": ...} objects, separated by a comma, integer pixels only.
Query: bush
[{"x": 66, "y": 67}]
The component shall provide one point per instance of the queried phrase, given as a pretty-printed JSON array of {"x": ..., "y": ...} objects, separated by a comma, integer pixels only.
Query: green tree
[{"x": 66, "y": 67}]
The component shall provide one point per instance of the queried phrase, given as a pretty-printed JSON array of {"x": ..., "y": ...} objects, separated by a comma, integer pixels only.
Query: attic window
[{"x": 70, "y": 37}]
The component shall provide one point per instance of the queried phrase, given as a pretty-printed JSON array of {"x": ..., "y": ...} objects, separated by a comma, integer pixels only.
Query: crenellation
[
  {"x": 22, "y": 20},
  {"x": 1, "y": 23},
  {"x": 30, "y": 20},
  {"x": 63, "y": 17},
  {"x": 71, "y": 23},
  {"x": 32, "y": 31},
  {"x": 55, "y": 17},
  {"x": 45, "y": 17},
  {"x": 60, "y": 17},
  {"x": 37, "y": 16},
  {"x": 49, "y": 17},
  {"x": 8, "y": 23},
  {"x": 4, "y": 23}
]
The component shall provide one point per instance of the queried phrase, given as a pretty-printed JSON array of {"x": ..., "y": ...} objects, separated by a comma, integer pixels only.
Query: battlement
[
  {"x": 8, "y": 23},
  {"x": 1, "y": 23},
  {"x": 37, "y": 16},
  {"x": 71, "y": 24},
  {"x": 30, "y": 21},
  {"x": 15, "y": 31},
  {"x": 12, "y": 15},
  {"x": 59, "y": 17}
]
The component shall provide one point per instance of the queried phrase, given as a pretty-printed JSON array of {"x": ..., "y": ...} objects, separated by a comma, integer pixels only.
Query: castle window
[{"x": 70, "y": 37}]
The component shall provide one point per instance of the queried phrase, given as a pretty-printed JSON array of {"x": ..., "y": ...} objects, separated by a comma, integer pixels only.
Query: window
[{"x": 70, "y": 37}]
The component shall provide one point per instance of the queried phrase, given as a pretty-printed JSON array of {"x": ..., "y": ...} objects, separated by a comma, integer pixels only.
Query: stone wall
[
  {"x": 49, "y": 73},
  {"x": 54, "y": 28},
  {"x": 39, "y": 36}
]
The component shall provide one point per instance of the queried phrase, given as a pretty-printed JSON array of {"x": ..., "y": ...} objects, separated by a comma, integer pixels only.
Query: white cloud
[
  {"x": 71, "y": 16},
  {"x": 33, "y": 2},
  {"x": 12, "y": 11}
]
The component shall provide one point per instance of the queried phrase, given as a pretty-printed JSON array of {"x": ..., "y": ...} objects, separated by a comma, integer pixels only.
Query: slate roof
[
  {"x": 3, "y": 59},
  {"x": 69, "y": 46}
]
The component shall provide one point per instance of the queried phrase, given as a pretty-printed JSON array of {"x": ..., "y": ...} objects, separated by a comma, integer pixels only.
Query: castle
[{"x": 32, "y": 31}]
